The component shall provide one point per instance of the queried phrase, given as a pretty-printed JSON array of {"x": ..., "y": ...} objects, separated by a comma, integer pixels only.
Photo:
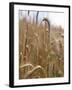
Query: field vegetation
[{"x": 41, "y": 49}]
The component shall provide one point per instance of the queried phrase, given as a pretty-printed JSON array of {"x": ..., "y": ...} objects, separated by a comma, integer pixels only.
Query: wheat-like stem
[{"x": 38, "y": 69}]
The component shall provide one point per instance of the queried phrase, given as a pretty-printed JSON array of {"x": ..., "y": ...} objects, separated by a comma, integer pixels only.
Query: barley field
[{"x": 41, "y": 49}]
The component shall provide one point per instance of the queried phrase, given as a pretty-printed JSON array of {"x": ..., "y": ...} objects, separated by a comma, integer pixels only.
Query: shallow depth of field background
[{"x": 41, "y": 44}]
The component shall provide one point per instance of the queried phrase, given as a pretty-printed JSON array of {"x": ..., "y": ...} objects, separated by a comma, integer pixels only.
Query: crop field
[{"x": 41, "y": 49}]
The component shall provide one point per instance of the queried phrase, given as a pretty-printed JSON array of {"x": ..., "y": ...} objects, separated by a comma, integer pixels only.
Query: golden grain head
[
  {"x": 47, "y": 30},
  {"x": 52, "y": 52},
  {"x": 36, "y": 34},
  {"x": 60, "y": 72},
  {"x": 27, "y": 46},
  {"x": 20, "y": 53}
]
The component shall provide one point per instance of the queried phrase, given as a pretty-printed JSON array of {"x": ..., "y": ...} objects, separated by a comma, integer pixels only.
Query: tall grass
[{"x": 41, "y": 50}]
